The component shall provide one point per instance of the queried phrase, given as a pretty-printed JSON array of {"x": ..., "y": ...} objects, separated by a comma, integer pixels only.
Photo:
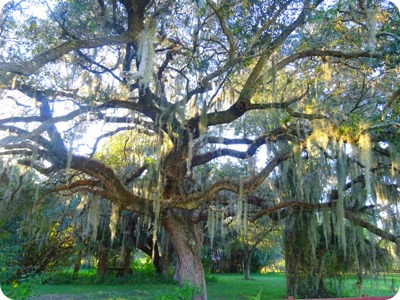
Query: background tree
[
  {"x": 35, "y": 235},
  {"x": 310, "y": 85}
]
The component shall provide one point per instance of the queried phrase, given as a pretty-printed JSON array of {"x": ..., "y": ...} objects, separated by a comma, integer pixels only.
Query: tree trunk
[
  {"x": 246, "y": 264},
  {"x": 166, "y": 258},
  {"x": 187, "y": 238},
  {"x": 102, "y": 265},
  {"x": 157, "y": 260},
  {"x": 77, "y": 264},
  {"x": 127, "y": 262}
]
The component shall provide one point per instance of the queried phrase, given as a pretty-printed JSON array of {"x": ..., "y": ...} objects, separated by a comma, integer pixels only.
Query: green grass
[
  {"x": 385, "y": 285},
  {"x": 232, "y": 286},
  {"x": 221, "y": 287}
]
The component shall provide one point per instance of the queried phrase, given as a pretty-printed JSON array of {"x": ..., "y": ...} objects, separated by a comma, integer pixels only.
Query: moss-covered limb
[
  {"x": 251, "y": 151},
  {"x": 113, "y": 187},
  {"x": 136, "y": 174},
  {"x": 196, "y": 199},
  {"x": 304, "y": 115},
  {"x": 145, "y": 106},
  {"x": 334, "y": 195},
  {"x": 31, "y": 66},
  {"x": 372, "y": 228},
  {"x": 25, "y": 141},
  {"x": 323, "y": 53},
  {"x": 21, "y": 140},
  {"x": 243, "y": 105},
  {"x": 253, "y": 146},
  {"x": 76, "y": 185},
  {"x": 301, "y": 207},
  {"x": 58, "y": 149},
  {"x": 48, "y": 122},
  {"x": 383, "y": 125},
  {"x": 273, "y": 135}
]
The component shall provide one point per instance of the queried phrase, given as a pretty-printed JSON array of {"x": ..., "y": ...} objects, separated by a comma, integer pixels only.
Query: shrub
[{"x": 187, "y": 292}]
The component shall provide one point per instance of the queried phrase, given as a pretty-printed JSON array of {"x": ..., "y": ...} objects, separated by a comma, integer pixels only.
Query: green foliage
[
  {"x": 144, "y": 266},
  {"x": 24, "y": 288},
  {"x": 187, "y": 292},
  {"x": 91, "y": 277},
  {"x": 21, "y": 291},
  {"x": 11, "y": 250},
  {"x": 353, "y": 126}
]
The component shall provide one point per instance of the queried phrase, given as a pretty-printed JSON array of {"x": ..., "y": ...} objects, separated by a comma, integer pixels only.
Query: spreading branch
[
  {"x": 309, "y": 207},
  {"x": 31, "y": 66},
  {"x": 234, "y": 185}
]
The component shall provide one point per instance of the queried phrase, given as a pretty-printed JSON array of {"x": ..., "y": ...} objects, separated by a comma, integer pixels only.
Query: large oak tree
[{"x": 311, "y": 85}]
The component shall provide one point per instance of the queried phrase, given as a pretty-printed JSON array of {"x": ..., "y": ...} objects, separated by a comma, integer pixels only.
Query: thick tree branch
[
  {"x": 77, "y": 184},
  {"x": 228, "y": 141},
  {"x": 309, "y": 207},
  {"x": 304, "y": 115},
  {"x": 234, "y": 185},
  {"x": 136, "y": 174},
  {"x": 392, "y": 35},
  {"x": 114, "y": 189},
  {"x": 22, "y": 135},
  {"x": 31, "y": 66},
  {"x": 254, "y": 145},
  {"x": 323, "y": 53},
  {"x": 371, "y": 228}
]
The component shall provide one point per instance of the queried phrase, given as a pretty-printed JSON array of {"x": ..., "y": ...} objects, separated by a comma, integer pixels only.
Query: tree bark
[
  {"x": 187, "y": 238},
  {"x": 166, "y": 260},
  {"x": 102, "y": 265},
  {"x": 127, "y": 262},
  {"x": 246, "y": 265},
  {"x": 77, "y": 264}
]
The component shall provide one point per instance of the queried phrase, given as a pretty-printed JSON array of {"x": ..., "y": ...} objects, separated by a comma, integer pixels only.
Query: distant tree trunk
[
  {"x": 102, "y": 265},
  {"x": 246, "y": 264},
  {"x": 127, "y": 261},
  {"x": 187, "y": 238},
  {"x": 77, "y": 264},
  {"x": 166, "y": 258},
  {"x": 156, "y": 259},
  {"x": 246, "y": 257},
  {"x": 322, "y": 292}
]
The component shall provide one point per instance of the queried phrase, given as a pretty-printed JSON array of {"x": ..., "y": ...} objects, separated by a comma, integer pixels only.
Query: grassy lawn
[
  {"x": 222, "y": 287},
  {"x": 232, "y": 286}
]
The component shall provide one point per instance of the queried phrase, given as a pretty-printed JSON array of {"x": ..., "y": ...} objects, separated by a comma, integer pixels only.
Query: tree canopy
[{"x": 254, "y": 109}]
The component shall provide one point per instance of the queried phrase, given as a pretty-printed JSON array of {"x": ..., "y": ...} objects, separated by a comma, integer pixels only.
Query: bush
[
  {"x": 143, "y": 266},
  {"x": 187, "y": 292},
  {"x": 23, "y": 288}
]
